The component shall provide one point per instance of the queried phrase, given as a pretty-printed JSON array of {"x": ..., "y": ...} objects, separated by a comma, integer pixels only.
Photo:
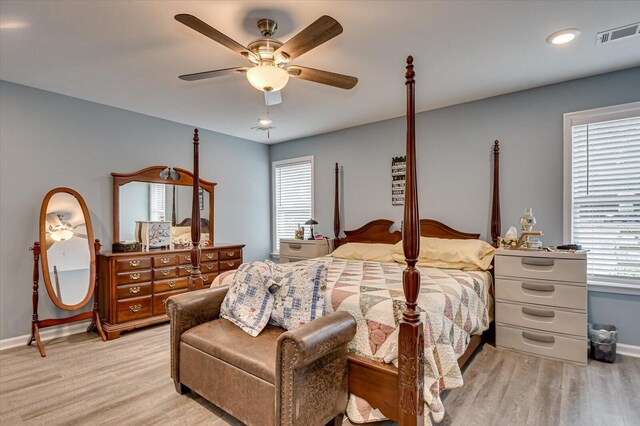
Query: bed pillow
[
  {"x": 248, "y": 302},
  {"x": 466, "y": 255},
  {"x": 298, "y": 292},
  {"x": 176, "y": 231},
  {"x": 364, "y": 251}
]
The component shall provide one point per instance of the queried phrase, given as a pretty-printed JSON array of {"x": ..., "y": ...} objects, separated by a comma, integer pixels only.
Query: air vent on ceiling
[{"x": 618, "y": 33}]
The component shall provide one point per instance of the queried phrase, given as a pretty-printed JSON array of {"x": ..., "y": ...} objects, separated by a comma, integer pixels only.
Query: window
[
  {"x": 602, "y": 191},
  {"x": 156, "y": 202},
  {"x": 292, "y": 197}
]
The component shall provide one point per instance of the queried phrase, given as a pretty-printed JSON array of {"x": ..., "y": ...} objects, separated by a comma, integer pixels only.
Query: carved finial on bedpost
[
  {"x": 411, "y": 335},
  {"x": 195, "y": 280},
  {"x": 495, "y": 204},
  {"x": 336, "y": 208}
]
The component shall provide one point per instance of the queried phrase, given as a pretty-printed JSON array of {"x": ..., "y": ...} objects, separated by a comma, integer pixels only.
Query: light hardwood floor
[{"x": 126, "y": 382}]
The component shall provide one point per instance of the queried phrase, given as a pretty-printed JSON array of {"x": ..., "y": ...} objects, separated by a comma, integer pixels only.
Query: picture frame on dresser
[{"x": 134, "y": 286}]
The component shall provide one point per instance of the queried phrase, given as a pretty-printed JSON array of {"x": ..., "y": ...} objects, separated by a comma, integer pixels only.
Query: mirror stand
[{"x": 37, "y": 324}]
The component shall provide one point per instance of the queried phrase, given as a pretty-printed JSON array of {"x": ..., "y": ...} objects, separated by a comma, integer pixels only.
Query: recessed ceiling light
[
  {"x": 12, "y": 25},
  {"x": 563, "y": 36}
]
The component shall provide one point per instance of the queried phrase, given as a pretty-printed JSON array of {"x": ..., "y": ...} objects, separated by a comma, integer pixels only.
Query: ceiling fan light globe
[
  {"x": 267, "y": 77},
  {"x": 61, "y": 235}
]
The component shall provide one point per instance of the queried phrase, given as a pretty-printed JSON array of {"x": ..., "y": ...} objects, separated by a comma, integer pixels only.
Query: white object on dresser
[
  {"x": 294, "y": 250},
  {"x": 541, "y": 303}
]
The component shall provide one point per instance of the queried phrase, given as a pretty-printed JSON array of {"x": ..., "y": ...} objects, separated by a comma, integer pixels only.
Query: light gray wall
[
  {"x": 454, "y": 168},
  {"x": 49, "y": 140}
]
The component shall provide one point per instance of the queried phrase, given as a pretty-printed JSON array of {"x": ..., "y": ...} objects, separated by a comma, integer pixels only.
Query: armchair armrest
[
  {"x": 186, "y": 311},
  {"x": 311, "y": 370}
]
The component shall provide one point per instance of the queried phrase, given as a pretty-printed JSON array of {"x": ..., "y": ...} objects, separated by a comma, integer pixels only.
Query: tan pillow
[
  {"x": 365, "y": 251},
  {"x": 176, "y": 231},
  {"x": 466, "y": 255}
]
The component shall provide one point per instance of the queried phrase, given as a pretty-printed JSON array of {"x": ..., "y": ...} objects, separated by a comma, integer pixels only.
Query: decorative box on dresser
[
  {"x": 541, "y": 303},
  {"x": 292, "y": 250},
  {"x": 134, "y": 286}
]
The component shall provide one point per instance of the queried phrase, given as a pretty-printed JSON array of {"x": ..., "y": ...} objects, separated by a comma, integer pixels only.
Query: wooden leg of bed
[
  {"x": 411, "y": 374},
  {"x": 336, "y": 421}
]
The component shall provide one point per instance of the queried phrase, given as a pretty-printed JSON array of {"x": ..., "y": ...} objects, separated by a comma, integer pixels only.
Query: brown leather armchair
[{"x": 280, "y": 377}]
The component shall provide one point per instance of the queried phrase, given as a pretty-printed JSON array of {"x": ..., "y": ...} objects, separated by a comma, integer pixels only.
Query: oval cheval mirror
[{"x": 67, "y": 252}]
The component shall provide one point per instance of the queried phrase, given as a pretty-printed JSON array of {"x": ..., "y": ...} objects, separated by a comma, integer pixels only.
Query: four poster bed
[{"x": 397, "y": 392}]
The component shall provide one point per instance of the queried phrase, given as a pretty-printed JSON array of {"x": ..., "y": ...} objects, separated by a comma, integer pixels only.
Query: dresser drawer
[
  {"x": 209, "y": 255},
  {"x": 542, "y": 343},
  {"x": 160, "y": 300},
  {"x": 135, "y": 308},
  {"x": 165, "y": 273},
  {"x": 542, "y": 318},
  {"x": 230, "y": 254},
  {"x": 207, "y": 279},
  {"x": 549, "y": 293},
  {"x": 290, "y": 259},
  {"x": 300, "y": 250},
  {"x": 169, "y": 285},
  {"x": 227, "y": 265},
  {"x": 133, "y": 277},
  {"x": 184, "y": 271},
  {"x": 184, "y": 259},
  {"x": 165, "y": 260},
  {"x": 542, "y": 268},
  {"x": 124, "y": 265},
  {"x": 208, "y": 267},
  {"x": 133, "y": 290}
]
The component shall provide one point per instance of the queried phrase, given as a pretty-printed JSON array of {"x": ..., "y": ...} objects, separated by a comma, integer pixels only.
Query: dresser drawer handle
[
  {"x": 135, "y": 308},
  {"x": 538, "y": 337},
  {"x": 209, "y": 267},
  {"x": 205, "y": 279},
  {"x": 231, "y": 263},
  {"x": 546, "y": 288},
  {"x": 171, "y": 284},
  {"x": 187, "y": 258},
  {"x": 134, "y": 276},
  {"x": 165, "y": 272},
  {"x": 544, "y": 313},
  {"x": 164, "y": 260},
  {"x": 295, "y": 246},
  {"x": 534, "y": 261},
  {"x": 210, "y": 255},
  {"x": 134, "y": 263},
  {"x": 187, "y": 269},
  {"x": 231, "y": 253},
  {"x": 134, "y": 290}
]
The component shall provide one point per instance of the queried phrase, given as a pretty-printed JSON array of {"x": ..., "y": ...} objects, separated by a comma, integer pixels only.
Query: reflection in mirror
[
  {"x": 143, "y": 201},
  {"x": 68, "y": 252}
]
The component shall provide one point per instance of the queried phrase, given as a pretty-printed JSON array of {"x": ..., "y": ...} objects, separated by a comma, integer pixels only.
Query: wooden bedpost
[
  {"x": 195, "y": 279},
  {"x": 336, "y": 209},
  {"x": 411, "y": 337},
  {"x": 495, "y": 205}
]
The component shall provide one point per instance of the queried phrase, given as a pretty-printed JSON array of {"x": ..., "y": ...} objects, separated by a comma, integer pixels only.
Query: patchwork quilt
[{"x": 453, "y": 305}]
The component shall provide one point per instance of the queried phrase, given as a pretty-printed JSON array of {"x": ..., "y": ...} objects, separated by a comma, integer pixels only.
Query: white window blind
[
  {"x": 293, "y": 196},
  {"x": 605, "y": 197},
  {"x": 156, "y": 201}
]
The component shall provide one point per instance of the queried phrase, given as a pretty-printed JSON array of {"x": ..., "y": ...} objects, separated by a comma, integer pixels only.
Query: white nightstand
[
  {"x": 541, "y": 303},
  {"x": 293, "y": 250}
]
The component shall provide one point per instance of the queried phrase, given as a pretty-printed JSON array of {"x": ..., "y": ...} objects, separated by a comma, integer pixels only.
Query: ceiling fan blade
[
  {"x": 322, "y": 30},
  {"x": 79, "y": 235},
  {"x": 215, "y": 35},
  {"x": 323, "y": 77},
  {"x": 214, "y": 73}
]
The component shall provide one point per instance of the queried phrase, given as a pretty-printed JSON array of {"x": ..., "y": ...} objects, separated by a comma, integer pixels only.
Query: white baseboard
[
  {"x": 46, "y": 334},
  {"x": 628, "y": 350}
]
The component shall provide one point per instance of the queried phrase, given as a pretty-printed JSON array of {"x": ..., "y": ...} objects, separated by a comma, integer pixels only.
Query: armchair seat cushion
[{"x": 226, "y": 341}]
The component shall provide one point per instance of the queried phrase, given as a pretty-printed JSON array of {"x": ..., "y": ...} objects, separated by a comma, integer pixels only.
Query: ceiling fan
[{"x": 270, "y": 70}]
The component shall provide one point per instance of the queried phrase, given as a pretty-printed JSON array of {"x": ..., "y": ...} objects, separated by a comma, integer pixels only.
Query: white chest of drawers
[
  {"x": 294, "y": 250},
  {"x": 541, "y": 303}
]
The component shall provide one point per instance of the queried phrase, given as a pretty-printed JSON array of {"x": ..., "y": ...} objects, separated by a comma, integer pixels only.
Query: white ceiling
[{"x": 128, "y": 54}]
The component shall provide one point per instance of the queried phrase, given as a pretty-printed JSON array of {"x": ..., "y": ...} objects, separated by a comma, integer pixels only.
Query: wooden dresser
[
  {"x": 134, "y": 287},
  {"x": 541, "y": 303}
]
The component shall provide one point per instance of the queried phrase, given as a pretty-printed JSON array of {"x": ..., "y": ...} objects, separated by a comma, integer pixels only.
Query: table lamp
[{"x": 311, "y": 222}]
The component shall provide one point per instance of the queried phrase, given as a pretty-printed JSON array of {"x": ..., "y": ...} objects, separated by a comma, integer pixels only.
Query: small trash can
[{"x": 602, "y": 342}]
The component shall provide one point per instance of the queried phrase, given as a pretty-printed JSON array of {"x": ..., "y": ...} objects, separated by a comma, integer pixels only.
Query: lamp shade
[
  {"x": 311, "y": 222},
  {"x": 267, "y": 77},
  {"x": 61, "y": 234}
]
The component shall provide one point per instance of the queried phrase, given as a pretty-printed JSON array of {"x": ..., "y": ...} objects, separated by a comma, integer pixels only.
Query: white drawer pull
[
  {"x": 546, "y": 288},
  {"x": 544, "y": 313},
  {"x": 542, "y": 338},
  {"x": 534, "y": 261}
]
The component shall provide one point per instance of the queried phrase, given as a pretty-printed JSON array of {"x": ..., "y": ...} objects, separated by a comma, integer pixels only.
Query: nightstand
[
  {"x": 295, "y": 250},
  {"x": 541, "y": 303}
]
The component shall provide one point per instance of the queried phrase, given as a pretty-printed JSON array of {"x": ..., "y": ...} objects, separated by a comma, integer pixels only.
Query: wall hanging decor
[{"x": 398, "y": 178}]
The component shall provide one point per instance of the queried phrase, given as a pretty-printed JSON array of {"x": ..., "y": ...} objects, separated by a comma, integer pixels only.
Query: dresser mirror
[
  {"x": 160, "y": 194},
  {"x": 67, "y": 253}
]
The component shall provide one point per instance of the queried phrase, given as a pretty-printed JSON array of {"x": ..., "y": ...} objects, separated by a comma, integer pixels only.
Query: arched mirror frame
[
  {"x": 153, "y": 175},
  {"x": 45, "y": 259}
]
